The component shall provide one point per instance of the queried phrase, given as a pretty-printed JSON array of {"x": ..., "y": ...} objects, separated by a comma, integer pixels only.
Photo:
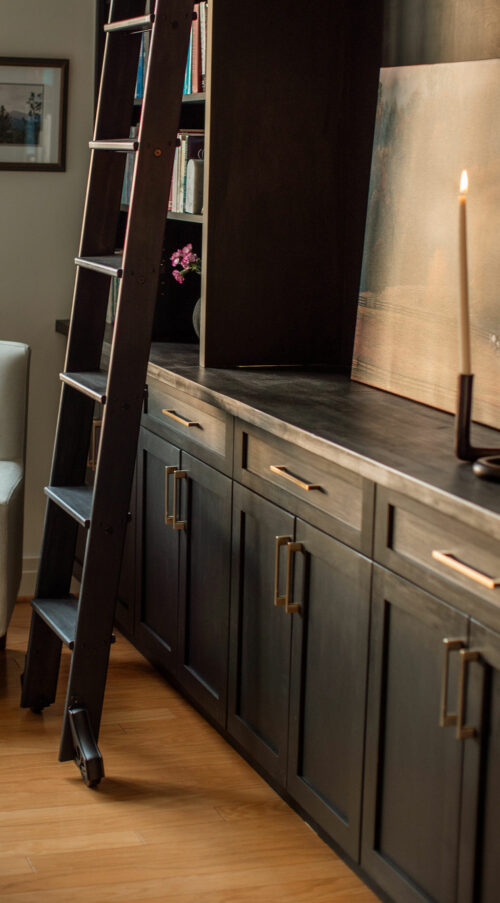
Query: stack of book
[
  {"x": 187, "y": 175},
  {"x": 196, "y": 68}
]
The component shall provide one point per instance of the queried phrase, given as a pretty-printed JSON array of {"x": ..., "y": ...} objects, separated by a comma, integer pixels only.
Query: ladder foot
[{"x": 86, "y": 752}]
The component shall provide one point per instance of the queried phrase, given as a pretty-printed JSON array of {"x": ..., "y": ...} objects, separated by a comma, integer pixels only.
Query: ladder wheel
[{"x": 86, "y": 752}]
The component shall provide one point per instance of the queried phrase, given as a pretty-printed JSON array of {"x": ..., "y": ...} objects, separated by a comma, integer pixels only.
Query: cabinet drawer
[
  {"x": 323, "y": 493},
  {"x": 441, "y": 553},
  {"x": 195, "y": 425}
]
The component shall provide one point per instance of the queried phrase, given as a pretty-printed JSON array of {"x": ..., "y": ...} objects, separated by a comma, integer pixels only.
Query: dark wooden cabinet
[
  {"x": 479, "y": 861},
  {"x": 156, "y": 617},
  {"x": 259, "y": 657},
  {"x": 183, "y": 572},
  {"x": 204, "y": 584},
  {"x": 328, "y": 683},
  {"x": 337, "y": 691},
  {"x": 298, "y": 670},
  {"x": 413, "y": 774}
]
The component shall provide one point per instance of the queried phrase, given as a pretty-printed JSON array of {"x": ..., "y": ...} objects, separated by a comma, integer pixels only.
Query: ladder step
[
  {"x": 75, "y": 500},
  {"x": 93, "y": 383},
  {"x": 60, "y": 615},
  {"x": 111, "y": 265},
  {"x": 140, "y": 23},
  {"x": 116, "y": 144}
]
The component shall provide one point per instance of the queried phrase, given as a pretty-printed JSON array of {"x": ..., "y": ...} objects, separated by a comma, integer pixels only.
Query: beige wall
[{"x": 40, "y": 220}]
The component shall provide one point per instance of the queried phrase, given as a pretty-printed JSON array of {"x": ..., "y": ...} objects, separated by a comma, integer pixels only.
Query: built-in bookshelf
[{"x": 287, "y": 109}]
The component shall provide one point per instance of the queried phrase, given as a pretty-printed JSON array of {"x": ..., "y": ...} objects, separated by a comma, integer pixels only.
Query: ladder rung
[
  {"x": 116, "y": 144},
  {"x": 110, "y": 265},
  {"x": 60, "y": 615},
  {"x": 75, "y": 500},
  {"x": 93, "y": 383},
  {"x": 140, "y": 23}
]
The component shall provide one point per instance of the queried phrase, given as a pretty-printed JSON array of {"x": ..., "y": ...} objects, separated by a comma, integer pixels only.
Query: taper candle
[{"x": 464, "y": 345}]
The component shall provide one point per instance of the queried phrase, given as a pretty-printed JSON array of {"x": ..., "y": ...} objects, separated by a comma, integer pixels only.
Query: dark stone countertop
[{"x": 396, "y": 442}]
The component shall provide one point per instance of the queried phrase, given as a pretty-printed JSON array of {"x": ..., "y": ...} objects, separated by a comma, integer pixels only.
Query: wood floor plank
[{"x": 179, "y": 817}]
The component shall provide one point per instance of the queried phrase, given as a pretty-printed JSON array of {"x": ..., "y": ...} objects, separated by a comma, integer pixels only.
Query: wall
[
  {"x": 40, "y": 220},
  {"x": 440, "y": 31}
]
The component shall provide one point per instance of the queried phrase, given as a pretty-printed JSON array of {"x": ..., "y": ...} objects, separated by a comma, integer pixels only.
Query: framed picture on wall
[{"x": 33, "y": 108}]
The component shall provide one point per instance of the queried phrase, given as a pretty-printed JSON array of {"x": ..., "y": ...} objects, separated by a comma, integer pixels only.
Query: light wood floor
[{"x": 180, "y": 817}]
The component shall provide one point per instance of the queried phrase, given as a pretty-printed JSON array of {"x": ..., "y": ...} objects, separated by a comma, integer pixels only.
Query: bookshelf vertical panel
[{"x": 285, "y": 198}]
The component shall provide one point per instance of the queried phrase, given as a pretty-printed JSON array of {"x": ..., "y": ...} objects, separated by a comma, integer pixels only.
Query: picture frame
[{"x": 33, "y": 114}]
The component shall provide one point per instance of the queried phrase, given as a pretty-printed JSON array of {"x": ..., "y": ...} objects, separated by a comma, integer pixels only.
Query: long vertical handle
[
  {"x": 292, "y": 549},
  {"x": 280, "y": 541},
  {"x": 178, "y": 524},
  {"x": 465, "y": 731},
  {"x": 447, "y": 719},
  {"x": 169, "y": 518}
]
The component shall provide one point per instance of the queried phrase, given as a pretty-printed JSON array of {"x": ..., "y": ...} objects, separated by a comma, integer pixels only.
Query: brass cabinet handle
[
  {"x": 465, "y": 731},
  {"x": 451, "y": 561},
  {"x": 447, "y": 719},
  {"x": 280, "y": 541},
  {"x": 178, "y": 524},
  {"x": 175, "y": 416},
  {"x": 282, "y": 471},
  {"x": 292, "y": 549},
  {"x": 169, "y": 518}
]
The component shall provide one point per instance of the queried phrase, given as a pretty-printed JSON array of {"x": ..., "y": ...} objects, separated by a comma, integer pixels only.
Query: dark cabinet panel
[
  {"x": 413, "y": 766},
  {"x": 156, "y": 621},
  {"x": 204, "y": 585},
  {"x": 259, "y": 659},
  {"x": 479, "y": 860},
  {"x": 328, "y": 683}
]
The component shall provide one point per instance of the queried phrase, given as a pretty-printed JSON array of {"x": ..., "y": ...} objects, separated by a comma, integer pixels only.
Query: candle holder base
[{"x": 486, "y": 460}]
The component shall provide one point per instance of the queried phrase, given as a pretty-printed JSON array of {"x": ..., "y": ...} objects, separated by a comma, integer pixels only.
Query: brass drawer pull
[
  {"x": 169, "y": 518},
  {"x": 447, "y": 719},
  {"x": 179, "y": 419},
  {"x": 465, "y": 731},
  {"x": 178, "y": 524},
  {"x": 292, "y": 549},
  {"x": 281, "y": 470},
  {"x": 280, "y": 541},
  {"x": 451, "y": 561}
]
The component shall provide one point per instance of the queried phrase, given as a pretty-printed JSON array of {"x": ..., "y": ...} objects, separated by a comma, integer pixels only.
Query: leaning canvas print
[{"x": 432, "y": 122}]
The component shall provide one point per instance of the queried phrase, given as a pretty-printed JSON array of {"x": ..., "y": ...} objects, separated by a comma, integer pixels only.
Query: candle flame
[{"x": 464, "y": 181}]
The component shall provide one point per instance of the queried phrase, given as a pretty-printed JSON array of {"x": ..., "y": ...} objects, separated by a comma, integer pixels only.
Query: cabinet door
[
  {"x": 204, "y": 584},
  {"x": 328, "y": 683},
  {"x": 156, "y": 622},
  {"x": 413, "y": 766},
  {"x": 479, "y": 872},
  {"x": 259, "y": 635}
]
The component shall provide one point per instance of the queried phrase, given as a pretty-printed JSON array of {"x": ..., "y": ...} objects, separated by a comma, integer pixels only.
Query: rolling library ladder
[{"x": 85, "y": 624}]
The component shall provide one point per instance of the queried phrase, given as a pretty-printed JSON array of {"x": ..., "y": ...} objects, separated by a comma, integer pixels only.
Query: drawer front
[
  {"x": 328, "y": 496},
  {"x": 439, "y": 552},
  {"x": 195, "y": 425}
]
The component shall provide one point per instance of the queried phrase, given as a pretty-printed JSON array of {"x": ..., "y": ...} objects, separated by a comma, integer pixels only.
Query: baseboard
[
  {"x": 28, "y": 578},
  {"x": 29, "y": 575}
]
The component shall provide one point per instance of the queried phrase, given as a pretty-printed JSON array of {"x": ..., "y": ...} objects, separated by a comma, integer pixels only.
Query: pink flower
[
  {"x": 186, "y": 249},
  {"x": 176, "y": 257},
  {"x": 188, "y": 259},
  {"x": 178, "y": 276}
]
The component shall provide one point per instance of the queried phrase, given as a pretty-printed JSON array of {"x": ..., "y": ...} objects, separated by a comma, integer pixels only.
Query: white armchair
[{"x": 14, "y": 374}]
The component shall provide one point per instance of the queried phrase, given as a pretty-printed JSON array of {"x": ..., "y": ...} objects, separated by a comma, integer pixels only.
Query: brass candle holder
[{"x": 486, "y": 460}]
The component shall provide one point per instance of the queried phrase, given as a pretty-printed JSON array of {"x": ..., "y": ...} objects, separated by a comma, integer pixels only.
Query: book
[
  {"x": 203, "y": 44},
  {"x": 190, "y": 147},
  {"x": 196, "y": 53}
]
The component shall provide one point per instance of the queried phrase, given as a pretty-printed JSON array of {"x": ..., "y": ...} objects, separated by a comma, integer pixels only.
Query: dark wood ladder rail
[{"x": 85, "y": 625}]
